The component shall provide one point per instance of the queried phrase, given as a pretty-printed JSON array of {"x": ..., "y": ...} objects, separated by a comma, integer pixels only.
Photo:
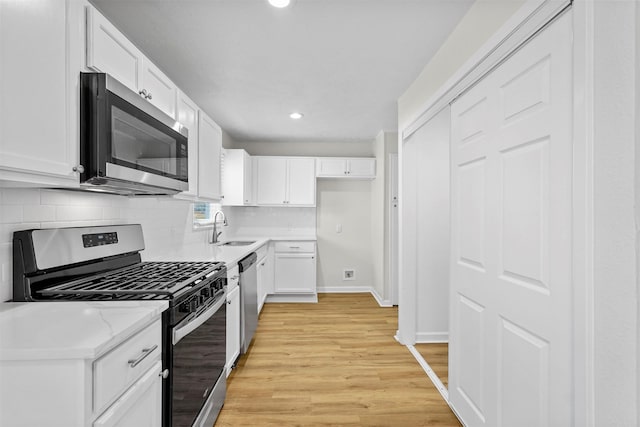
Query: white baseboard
[
  {"x": 432, "y": 375},
  {"x": 353, "y": 290},
  {"x": 343, "y": 289},
  {"x": 432, "y": 337},
  {"x": 381, "y": 302},
  {"x": 311, "y": 298}
]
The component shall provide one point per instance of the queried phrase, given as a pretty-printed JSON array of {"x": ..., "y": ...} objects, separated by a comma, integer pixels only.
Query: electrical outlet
[{"x": 348, "y": 274}]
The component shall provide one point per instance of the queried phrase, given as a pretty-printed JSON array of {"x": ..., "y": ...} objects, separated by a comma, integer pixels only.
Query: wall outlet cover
[{"x": 349, "y": 274}]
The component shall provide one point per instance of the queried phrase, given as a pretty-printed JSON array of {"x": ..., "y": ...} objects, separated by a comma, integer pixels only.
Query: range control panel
[{"x": 99, "y": 239}]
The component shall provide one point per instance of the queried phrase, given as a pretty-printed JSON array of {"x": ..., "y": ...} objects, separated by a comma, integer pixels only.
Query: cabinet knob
[
  {"x": 229, "y": 302},
  {"x": 164, "y": 374},
  {"x": 79, "y": 169},
  {"x": 149, "y": 96},
  {"x": 143, "y": 92}
]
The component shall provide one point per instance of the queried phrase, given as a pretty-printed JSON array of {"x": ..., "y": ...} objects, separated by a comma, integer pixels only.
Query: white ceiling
[{"x": 343, "y": 63}]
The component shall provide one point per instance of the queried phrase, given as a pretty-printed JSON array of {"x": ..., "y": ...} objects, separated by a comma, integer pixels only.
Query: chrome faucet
[{"x": 215, "y": 234}]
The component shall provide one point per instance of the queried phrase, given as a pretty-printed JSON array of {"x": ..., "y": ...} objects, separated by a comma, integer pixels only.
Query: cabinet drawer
[
  {"x": 118, "y": 369},
  {"x": 295, "y": 246}
]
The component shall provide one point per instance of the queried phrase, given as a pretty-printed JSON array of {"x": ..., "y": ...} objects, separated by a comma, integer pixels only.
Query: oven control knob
[
  {"x": 193, "y": 305},
  {"x": 206, "y": 293}
]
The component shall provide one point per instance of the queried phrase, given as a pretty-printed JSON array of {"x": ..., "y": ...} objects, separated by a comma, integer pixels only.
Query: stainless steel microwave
[{"x": 127, "y": 145}]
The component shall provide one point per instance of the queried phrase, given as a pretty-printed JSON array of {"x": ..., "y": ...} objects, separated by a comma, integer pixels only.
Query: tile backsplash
[{"x": 166, "y": 222}]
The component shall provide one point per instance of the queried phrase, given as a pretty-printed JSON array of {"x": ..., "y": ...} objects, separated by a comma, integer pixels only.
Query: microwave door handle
[{"x": 190, "y": 326}]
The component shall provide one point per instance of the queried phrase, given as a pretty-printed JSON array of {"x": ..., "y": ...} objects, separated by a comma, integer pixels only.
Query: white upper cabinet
[
  {"x": 187, "y": 115},
  {"x": 288, "y": 181},
  {"x": 109, "y": 51},
  {"x": 209, "y": 153},
  {"x": 35, "y": 143},
  {"x": 161, "y": 91},
  {"x": 336, "y": 167},
  {"x": 237, "y": 178}
]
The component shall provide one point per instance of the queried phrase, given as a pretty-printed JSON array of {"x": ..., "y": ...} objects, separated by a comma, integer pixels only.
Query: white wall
[
  {"x": 346, "y": 203},
  {"x": 428, "y": 220},
  {"x": 615, "y": 255},
  {"x": 474, "y": 29},
  {"x": 386, "y": 143},
  {"x": 165, "y": 222}
]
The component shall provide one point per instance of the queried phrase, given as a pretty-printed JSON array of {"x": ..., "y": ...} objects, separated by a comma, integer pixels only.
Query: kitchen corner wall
[
  {"x": 338, "y": 202},
  {"x": 166, "y": 222}
]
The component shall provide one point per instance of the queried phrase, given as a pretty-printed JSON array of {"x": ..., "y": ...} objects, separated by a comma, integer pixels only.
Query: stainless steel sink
[{"x": 238, "y": 243}]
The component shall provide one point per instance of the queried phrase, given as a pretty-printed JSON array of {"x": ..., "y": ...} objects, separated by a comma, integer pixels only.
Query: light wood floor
[
  {"x": 437, "y": 356},
  {"x": 332, "y": 363}
]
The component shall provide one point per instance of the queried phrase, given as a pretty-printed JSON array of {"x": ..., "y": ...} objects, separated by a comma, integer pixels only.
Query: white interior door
[{"x": 511, "y": 154}]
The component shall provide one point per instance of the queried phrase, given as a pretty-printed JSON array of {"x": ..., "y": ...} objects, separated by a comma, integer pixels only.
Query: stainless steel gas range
[{"x": 104, "y": 263}]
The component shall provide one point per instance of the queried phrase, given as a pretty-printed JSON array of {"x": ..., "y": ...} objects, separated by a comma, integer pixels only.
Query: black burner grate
[{"x": 151, "y": 279}]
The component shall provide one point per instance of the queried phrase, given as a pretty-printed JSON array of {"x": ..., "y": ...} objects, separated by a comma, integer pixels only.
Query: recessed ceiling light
[
  {"x": 279, "y": 3},
  {"x": 296, "y": 116}
]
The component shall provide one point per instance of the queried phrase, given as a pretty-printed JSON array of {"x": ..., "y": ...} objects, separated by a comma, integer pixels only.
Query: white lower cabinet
[
  {"x": 120, "y": 387},
  {"x": 295, "y": 267},
  {"x": 233, "y": 318},
  {"x": 140, "y": 406},
  {"x": 265, "y": 274}
]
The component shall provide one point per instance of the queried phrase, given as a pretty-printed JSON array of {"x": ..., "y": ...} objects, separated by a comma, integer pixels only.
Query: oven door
[{"x": 199, "y": 355}]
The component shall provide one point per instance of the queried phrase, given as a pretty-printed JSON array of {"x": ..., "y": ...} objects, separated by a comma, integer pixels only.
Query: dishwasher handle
[{"x": 245, "y": 263}]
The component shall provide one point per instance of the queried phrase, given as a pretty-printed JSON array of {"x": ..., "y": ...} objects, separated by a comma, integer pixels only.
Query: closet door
[{"x": 511, "y": 160}]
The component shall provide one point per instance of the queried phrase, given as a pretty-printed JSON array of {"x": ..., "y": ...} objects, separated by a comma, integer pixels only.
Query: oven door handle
[{"x": 185, "y": 330}]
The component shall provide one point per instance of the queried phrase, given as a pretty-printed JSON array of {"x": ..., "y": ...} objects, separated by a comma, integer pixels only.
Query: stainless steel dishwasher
[{"x": 248, "y": 299}]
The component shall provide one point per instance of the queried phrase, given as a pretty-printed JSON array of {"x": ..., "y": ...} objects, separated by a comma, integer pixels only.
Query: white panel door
[
  {"x": 331, "y": 167},
  {"x": 301, "y": 181},
  {"x": 187, "y": 111},
  {"x": 109, "y": 51},
  {"x": 209, "y": 151},
  {"x": 295, "y": 273},
  {"x": 271, "y": 180},
  {"x": 161, "y": 91},
  {"x": 511, "y": 154},
  {"x": 361, "y": 167}
]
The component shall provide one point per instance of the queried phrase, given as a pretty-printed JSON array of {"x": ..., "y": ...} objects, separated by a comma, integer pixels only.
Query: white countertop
[
  {"x": 219, "y": 252},
  {"x": 70, "y": 330}
]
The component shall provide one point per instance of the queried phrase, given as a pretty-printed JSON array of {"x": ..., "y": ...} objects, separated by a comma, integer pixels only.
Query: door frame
[{"x": 531, "y": 18}]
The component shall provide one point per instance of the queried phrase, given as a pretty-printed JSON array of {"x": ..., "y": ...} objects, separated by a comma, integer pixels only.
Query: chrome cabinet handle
[
  {"x": 143, "y": 92},
  {"x": 79, "y": 169},
  {"x": 294, "y": 247},
  {"x": 145, "y": 352},
  {"x": 164, "y": 374}
]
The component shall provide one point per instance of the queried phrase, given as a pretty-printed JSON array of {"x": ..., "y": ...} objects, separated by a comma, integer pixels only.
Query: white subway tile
[
  {"x": 21, "y": 196},
  {"x": 6, "y": 230},
  {"x": 78, "y": 213},
  {"x": 10, "y": 214},
  {"x": 39, "y": 213}
]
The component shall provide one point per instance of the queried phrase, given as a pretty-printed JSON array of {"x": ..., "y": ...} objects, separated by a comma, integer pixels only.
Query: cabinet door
[
  {"x": 248, "y": 179},
  {"x": 361, "y": 168},
  {"x": 302, "y": 182},
  {"x": 139, "y": 406},
  {"x": 34, "y": 127},
  {"x": 295, "y": 273},
  {"x": 209, "y": 150},
  {"x": 331, "y": 167},
  {"x": 271, "y": 180},
  {"x": 109, "y": 51},
  {"x": 265, "y": 279},
  {"x": 161, "y": 91},
  {"x": 233, "y": 327},
  {"x": 187, "y": 112}
]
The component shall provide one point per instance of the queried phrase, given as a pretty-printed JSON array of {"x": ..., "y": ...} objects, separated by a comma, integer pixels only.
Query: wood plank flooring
[
  {"x": 437, "y": 356},
  {"x": 333, "y": 363}
]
